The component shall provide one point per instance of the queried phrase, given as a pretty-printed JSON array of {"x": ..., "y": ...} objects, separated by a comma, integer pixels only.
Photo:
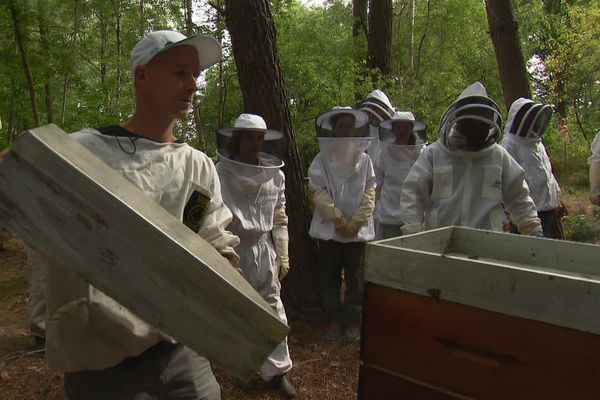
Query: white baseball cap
[
  {"x": 251, "y": 123},
  {"x": 324, "y": 120},
  {"x": 155, "y": 43}
]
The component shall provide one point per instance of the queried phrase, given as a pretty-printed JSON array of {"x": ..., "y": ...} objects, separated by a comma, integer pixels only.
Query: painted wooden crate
[
  {"x": 459, "y": 313},
  {"x": 65, "y": 202}
]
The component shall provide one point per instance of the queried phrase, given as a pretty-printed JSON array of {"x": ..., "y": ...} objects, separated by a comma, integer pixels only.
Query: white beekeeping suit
[
  {"x": 525, "y": 126},
  {"x": 400, "y": 146},
  {"x": 378, "y": 107},
  {"x": 88, "y": 330},
  {"x": 594, "y": 162},
  {"x": 343, "y": 183},
  {"x": 523, "y": 139},
  {"x": 341, "y": 171},
  {"x": 464, "y": 178},
  {"x": 253, "y": 187}
]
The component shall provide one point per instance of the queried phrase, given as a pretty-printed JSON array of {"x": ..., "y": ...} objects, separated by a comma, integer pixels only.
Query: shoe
[
  {"x": 352, "y": 334},
  {"x": 334, "y": 332},
  {"x": 39, "y": 343},
  {"x": 282, "y": 384}
]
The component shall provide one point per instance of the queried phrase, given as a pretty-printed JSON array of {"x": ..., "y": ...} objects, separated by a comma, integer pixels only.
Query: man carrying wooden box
[{"x": 105, "y": 351}]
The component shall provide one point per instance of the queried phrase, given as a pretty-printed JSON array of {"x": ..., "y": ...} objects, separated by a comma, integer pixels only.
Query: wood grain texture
[{"x": 469, "y": 352}]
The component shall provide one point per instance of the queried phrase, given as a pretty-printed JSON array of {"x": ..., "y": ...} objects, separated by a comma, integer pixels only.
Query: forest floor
[{"x": 322, "y": 370}]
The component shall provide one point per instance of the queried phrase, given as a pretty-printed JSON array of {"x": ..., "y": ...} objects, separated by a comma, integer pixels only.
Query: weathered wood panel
[
  {"x": 450, "y": 350},
  {"x": 69, "y": 205}
]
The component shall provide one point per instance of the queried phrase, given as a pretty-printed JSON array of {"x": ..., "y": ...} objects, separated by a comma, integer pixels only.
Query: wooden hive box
[
  {"x": 65, "y": 202},
  {"x": 458, "y": 313}
]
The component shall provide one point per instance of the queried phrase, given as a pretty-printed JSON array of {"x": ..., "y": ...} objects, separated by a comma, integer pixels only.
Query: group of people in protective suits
[{"x": 375, "y": 176}]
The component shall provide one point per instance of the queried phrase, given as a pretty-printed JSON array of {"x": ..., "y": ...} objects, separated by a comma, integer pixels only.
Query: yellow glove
[
  {"x": 362, "y": 214},
  {"x": 281, "y": 242},
  {"x": 365, "y": 208},
  {"x": 325, "y": 206},
  {"x": 530, "y": 227}
]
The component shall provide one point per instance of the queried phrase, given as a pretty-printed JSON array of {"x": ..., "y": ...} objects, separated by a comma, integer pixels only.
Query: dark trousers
[
  {"x": 333, "y": 258},
  {"x": 551, "y": 224},
  {"x": 164, "y": 371},
  {"x": 389, "y": 231}
]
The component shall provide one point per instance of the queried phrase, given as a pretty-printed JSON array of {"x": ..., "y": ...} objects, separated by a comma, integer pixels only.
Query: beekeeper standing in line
[
  {"x": 253, "y": 187},
  {"x": 378, "y": 106},
  {"x": 400, "y": 146},
  {"x": 594, "y": 162},
  {"x": 526, "y": 123},
  {"x": 343, "y": 182},
  {"x": 465, "y": 178}
]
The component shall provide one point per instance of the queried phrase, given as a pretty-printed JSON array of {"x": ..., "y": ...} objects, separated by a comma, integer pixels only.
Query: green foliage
[
  {"x": 579, "y": 229},
  {"x": 323, "y": 65}
]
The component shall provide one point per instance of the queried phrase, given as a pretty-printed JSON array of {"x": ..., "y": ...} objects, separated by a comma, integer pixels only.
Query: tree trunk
[
  {"x": 379, "y": 54},
  {"x": 411, "y": 34},
  {"x": 142, "y": 27},
  {"x": 42, "y": 11},
  {"x": 254, "y": 44},
  {"x": 220, "y": 34},
  {"x": 16, "y": 17},
  {"x": 66, "y": 78},
  {"x": 103, "y": 49},
  {"x": 359, "y": 34},
  {"x": 189, "y": 29},
  {"x": 11, "y": 115},
  {"x": 118, "y": 10},
  {"x": 505, "y": 37}
]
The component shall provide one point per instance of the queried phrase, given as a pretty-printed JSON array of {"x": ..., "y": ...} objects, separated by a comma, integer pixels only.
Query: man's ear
[{"x": 139, "y": 74}]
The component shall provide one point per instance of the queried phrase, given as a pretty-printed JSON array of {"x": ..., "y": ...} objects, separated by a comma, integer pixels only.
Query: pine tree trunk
[
  {"x": 66, "y": 78},
  {"x": 254, "y": 43},
  {"x": 360, "y": 37},
  {"x": 142, "y": 26},
  {"x": 379, "y": 54},
  {"x": 42, "y": 11},
  {"x": 505, "y": 37},
  {"x": 118, "y": 12},
  {"x": 411, "y": 34},
  {"x": 189, "y": 29},
  {"x": 20, "y": 38}
]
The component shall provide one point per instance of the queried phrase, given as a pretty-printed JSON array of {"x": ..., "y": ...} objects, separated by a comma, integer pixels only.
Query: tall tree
[
  {"x": 411, "y": 34},
  {"x": 20, "y": 38},
  {"x": 359, "y": 36},
  {"x": 505, "y": 37},
  {"x": 43, "y": 26},
  {"x": 254, "y": 43},
  {"x": 379, "y": 53},
  {"x": 189, "y": 30}
]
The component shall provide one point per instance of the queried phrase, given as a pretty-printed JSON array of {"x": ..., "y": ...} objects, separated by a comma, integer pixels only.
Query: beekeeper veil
[
  {"x": 527, "y": 119},
  {"x": 401, "y": 137},
  {"x": 472, "y": 122},
  {"x": 250, "y": 151},
  {"x": 403, "y": 129},
  {"x": 343, "y": 135}
]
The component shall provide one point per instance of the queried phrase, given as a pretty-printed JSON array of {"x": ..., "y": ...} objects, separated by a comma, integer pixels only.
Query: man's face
[
  {"x": 343, "y": 126},
  {"x": 474, "y": 130},
  {"x": 251, "y": 143},
  {"x": 168, "y": 83},
  {"x": 402, "y": 131}
]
